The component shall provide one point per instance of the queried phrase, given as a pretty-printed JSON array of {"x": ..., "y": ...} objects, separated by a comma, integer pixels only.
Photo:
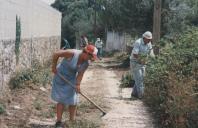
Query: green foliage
[
  {"x": 37, "y": 74},
  {"x": 2, "y": 109},
  {"x": 143, "y": 58},
  {"x": 193, "y": 15},
  {"x": 128, "y": 15},
  {"x": 77, "y": 18},
  {"x": 127, "y": 81},
  {"x": 172, "y": 79},
  {"x": 18, "y": 38},
  {"x": 184, "y": 11},
  {"x": 20, "y": 78}
]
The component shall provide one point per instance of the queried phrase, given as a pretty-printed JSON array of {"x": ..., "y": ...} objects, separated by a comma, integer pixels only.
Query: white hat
[
  {"x": 98, "y": 39},
  {"x": 147, "y": 35}
]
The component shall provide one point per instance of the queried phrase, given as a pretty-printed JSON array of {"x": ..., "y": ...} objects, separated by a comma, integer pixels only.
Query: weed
[
  {"x": 37, "y": 105},
  {"x": 50, "y": 112},
  {"x": 127, "y": 81},
  {"x": 2, "y": 109},
  {"x": 19, "y": 78},
  {"x": 37, "y": 74}
]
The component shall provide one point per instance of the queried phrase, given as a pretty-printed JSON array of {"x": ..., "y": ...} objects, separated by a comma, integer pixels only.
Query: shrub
[
  {"x": 173, "y": 79},
  {"x": 19, "y": 78}
]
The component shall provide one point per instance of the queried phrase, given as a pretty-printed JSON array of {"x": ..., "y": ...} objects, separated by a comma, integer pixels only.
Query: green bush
[
  {"x": 19, "y": 78},
  {"x": 171, "y": 81},
  {"x": 37, "y": 74}
]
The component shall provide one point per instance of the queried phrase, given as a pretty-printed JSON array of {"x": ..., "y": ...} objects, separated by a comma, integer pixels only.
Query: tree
[
  {"x": 177, "y": 15},
  {"x": 128, "y": 15},
  {"x": 76, "y": 18}
]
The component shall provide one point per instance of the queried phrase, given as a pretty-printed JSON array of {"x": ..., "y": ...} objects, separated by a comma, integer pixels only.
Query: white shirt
[
  {"x": 98, "y": 44},
  {"x": 139, "y": 47}
]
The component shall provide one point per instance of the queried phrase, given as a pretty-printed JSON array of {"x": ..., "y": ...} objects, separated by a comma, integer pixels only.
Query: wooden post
[
  {"x": 95, "y": 26},
  {"x": 156, "y": 24}
]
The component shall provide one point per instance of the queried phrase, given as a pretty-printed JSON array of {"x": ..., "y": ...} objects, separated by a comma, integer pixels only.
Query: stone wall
[
  {"x": 30, "y": 49},
  {"x": 40, "y": 35}
]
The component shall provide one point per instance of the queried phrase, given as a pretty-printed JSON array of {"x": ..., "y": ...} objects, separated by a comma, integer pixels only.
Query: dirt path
[
  {"x": 121, "y": 111},
  {"x": 31, "y": 107}
]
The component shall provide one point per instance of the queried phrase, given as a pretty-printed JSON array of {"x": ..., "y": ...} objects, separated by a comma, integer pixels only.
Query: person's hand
[
  {"x": 142, "y": 59},
  {"x": 54, "y": 70},
  {"x": 78, "y": 88},
  {"x": 143, "y": 62}
]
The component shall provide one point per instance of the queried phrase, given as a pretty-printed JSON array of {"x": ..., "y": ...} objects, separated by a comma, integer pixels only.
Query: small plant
[
  {"x": 2, "y": 109},
  {"x": 127, "y": 81},
  {"x": 37, "y": 105},
  {"x": 19, "y": 78}
]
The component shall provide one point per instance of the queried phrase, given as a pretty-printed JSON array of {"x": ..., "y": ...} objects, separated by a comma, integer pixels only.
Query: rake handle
[{"x": 86, "y": 97}]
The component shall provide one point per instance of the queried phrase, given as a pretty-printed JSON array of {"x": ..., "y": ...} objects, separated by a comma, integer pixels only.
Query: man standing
[
  {"x": 141, "y": 49},
  {"x": 99, "y": 45}
]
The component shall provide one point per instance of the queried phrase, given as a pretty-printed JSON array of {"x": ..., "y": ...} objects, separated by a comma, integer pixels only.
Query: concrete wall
[
  {"x": 117, "y": 41},
  {"x": 40, "y": 35},
  {"x": 37, "y": 19}
]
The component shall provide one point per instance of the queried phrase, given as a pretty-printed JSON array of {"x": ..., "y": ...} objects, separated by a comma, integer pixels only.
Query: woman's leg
[
  {"x": 72, "y": 112},
  {"x": 59, "y": 111}
]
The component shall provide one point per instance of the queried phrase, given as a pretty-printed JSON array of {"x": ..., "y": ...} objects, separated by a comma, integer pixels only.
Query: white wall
[
  {"x": 40, "y": 35},
  {"x": 115, "y": 41},
  {"x": 38, "y": 19}
]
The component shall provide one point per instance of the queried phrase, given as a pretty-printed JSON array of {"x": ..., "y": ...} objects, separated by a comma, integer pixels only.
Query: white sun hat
[{"x": 147, "y": 35}]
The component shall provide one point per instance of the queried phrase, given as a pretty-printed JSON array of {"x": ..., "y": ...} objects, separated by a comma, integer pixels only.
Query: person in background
[
  {"x": 99, "y": 45},
  {"x": 141, "y": 49},
  {"x": 72, "y": 67},
  {"x": 83, "y": 41},
  {"x": 66, "y": 44}
]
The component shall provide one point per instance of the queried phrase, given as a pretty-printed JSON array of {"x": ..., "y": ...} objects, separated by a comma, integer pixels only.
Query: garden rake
[{"x": 98, "y": 107}]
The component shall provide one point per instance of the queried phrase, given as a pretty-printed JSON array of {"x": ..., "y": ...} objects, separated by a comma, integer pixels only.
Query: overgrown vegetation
[
  {"x": 38, "y": 74},
  {"x": 172, "y": 81}
]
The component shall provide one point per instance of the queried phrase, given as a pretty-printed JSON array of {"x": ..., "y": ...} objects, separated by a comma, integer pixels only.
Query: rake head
[{"x": 103, "y": 114}]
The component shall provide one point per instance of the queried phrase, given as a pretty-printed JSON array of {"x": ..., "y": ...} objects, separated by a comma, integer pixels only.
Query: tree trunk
[{"x": 156, "y": 24}]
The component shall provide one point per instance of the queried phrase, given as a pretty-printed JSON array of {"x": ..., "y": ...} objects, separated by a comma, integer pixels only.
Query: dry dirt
[{"x": 31, "y": 106}]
